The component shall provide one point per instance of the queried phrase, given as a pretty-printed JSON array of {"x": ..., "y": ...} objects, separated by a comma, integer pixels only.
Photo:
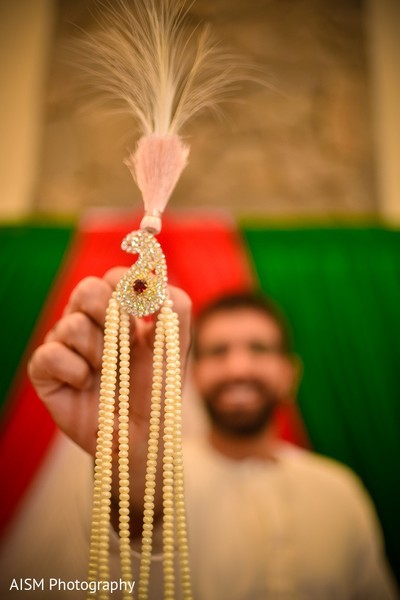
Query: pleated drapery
[{"x": 340, "y": 289}]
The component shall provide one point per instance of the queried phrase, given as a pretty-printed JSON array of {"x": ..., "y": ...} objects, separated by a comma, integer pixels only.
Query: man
[
  {"x": 277, "y": 522},
  {"x": 265, "y": 520}
]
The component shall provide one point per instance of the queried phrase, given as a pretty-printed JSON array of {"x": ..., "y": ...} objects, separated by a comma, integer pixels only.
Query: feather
[{"x": 165, "y": 73}]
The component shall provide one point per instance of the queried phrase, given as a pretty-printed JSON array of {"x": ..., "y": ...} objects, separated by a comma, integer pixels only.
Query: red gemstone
[{"x": 139, "y": 286}]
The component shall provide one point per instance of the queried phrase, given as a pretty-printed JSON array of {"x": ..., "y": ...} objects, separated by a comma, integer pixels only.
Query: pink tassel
[{"x": 156, "y": 166}]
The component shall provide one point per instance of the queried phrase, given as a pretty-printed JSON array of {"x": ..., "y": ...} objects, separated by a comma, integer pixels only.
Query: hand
[{"x": 65, "y": 370}]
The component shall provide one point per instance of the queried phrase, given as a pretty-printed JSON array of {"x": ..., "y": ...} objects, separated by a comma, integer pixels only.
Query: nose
[{"x": 238, "y": 363}]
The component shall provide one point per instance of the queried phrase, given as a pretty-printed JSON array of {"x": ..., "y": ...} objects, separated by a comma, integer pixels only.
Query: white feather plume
[
  {"x": 149, "y": 57},
  {"x": 165, "y": 73}
]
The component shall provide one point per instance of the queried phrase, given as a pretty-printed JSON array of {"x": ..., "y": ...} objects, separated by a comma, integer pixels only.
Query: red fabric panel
[{"x": 29, "y": 430}]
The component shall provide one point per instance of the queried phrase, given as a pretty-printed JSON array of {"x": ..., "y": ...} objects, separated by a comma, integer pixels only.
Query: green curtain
[
  {"x": 340, "y": 289},
  {"x": 30, "y": 256}
]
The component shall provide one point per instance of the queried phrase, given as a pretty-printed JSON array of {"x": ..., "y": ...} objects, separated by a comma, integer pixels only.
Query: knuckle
[
  {"x": 87, "y": 295},
  {"x": 43, "y": 358},
  {"x": 74, "y": 326},
  {"x": 50, "y": 354},
  {"x": 83, "y": 289},
  {"x": 34, "y": 361}
]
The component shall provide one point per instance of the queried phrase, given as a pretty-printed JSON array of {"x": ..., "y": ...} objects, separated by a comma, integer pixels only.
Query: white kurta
[{"x": 300, "y": 528}]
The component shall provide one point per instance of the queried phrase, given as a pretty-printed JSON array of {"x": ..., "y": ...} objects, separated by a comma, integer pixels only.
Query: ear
[
  {"x": 294, "y": 375},
  {"x": 298, "y": 369}
]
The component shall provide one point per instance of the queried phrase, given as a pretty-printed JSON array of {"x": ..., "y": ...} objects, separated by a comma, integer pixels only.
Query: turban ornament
[{"x": 164, "y": 74}]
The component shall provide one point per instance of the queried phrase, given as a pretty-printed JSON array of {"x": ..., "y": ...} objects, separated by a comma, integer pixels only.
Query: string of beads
[
  {"x": 99, "y": 543},
  {"x": 166, "y": 383}
]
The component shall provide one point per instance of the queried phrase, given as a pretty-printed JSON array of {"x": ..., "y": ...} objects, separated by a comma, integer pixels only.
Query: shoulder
[
  {"x": 320, "y": 469},
  {"x": 327, "y": 479}
]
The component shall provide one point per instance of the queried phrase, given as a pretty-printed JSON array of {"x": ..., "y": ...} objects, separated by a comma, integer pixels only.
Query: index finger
[{"x": 91, "y": 296}]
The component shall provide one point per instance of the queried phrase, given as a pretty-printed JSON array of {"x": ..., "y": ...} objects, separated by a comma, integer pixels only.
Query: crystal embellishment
[{"x": 143, "y": 289}]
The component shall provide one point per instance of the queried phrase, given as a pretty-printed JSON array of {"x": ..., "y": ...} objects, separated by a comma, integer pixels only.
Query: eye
[
  {"x": 215, "y": 351},
  {"x": 257, "y": 347}
]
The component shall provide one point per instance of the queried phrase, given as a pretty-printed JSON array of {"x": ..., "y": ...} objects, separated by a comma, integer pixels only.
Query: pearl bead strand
[
  {"x": 183, "y": 549},
  {"x": 151, "y": 465},
  {"x": 168, "y": 458},
  {"x": 99, "y": 546},
  {"x": 123, "y": 453},
  {"x": 166, "y": 345}
]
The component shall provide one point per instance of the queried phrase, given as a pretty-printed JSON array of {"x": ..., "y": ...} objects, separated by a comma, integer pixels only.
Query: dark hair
[{"x": 251, "y": 300}]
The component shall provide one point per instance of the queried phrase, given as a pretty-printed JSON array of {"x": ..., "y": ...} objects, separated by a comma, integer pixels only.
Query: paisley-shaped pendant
[{"x": 142, "y": 290}]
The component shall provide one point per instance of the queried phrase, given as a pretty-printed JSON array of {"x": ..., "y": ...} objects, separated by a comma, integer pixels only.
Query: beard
[{"x": 241, "y": 421}]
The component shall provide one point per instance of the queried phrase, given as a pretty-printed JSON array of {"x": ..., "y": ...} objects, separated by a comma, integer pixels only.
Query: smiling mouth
[
  {"x": 242, "y": 407},
  {"x": 239, "y": 395}
]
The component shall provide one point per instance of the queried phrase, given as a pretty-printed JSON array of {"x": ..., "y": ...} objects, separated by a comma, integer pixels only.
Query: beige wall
[
  {"x": 323, "y": 142},
  {"x": 302, "y": 147},
  {"x": 26, "y": 27},
  {"x": 384, "y": 42}
]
